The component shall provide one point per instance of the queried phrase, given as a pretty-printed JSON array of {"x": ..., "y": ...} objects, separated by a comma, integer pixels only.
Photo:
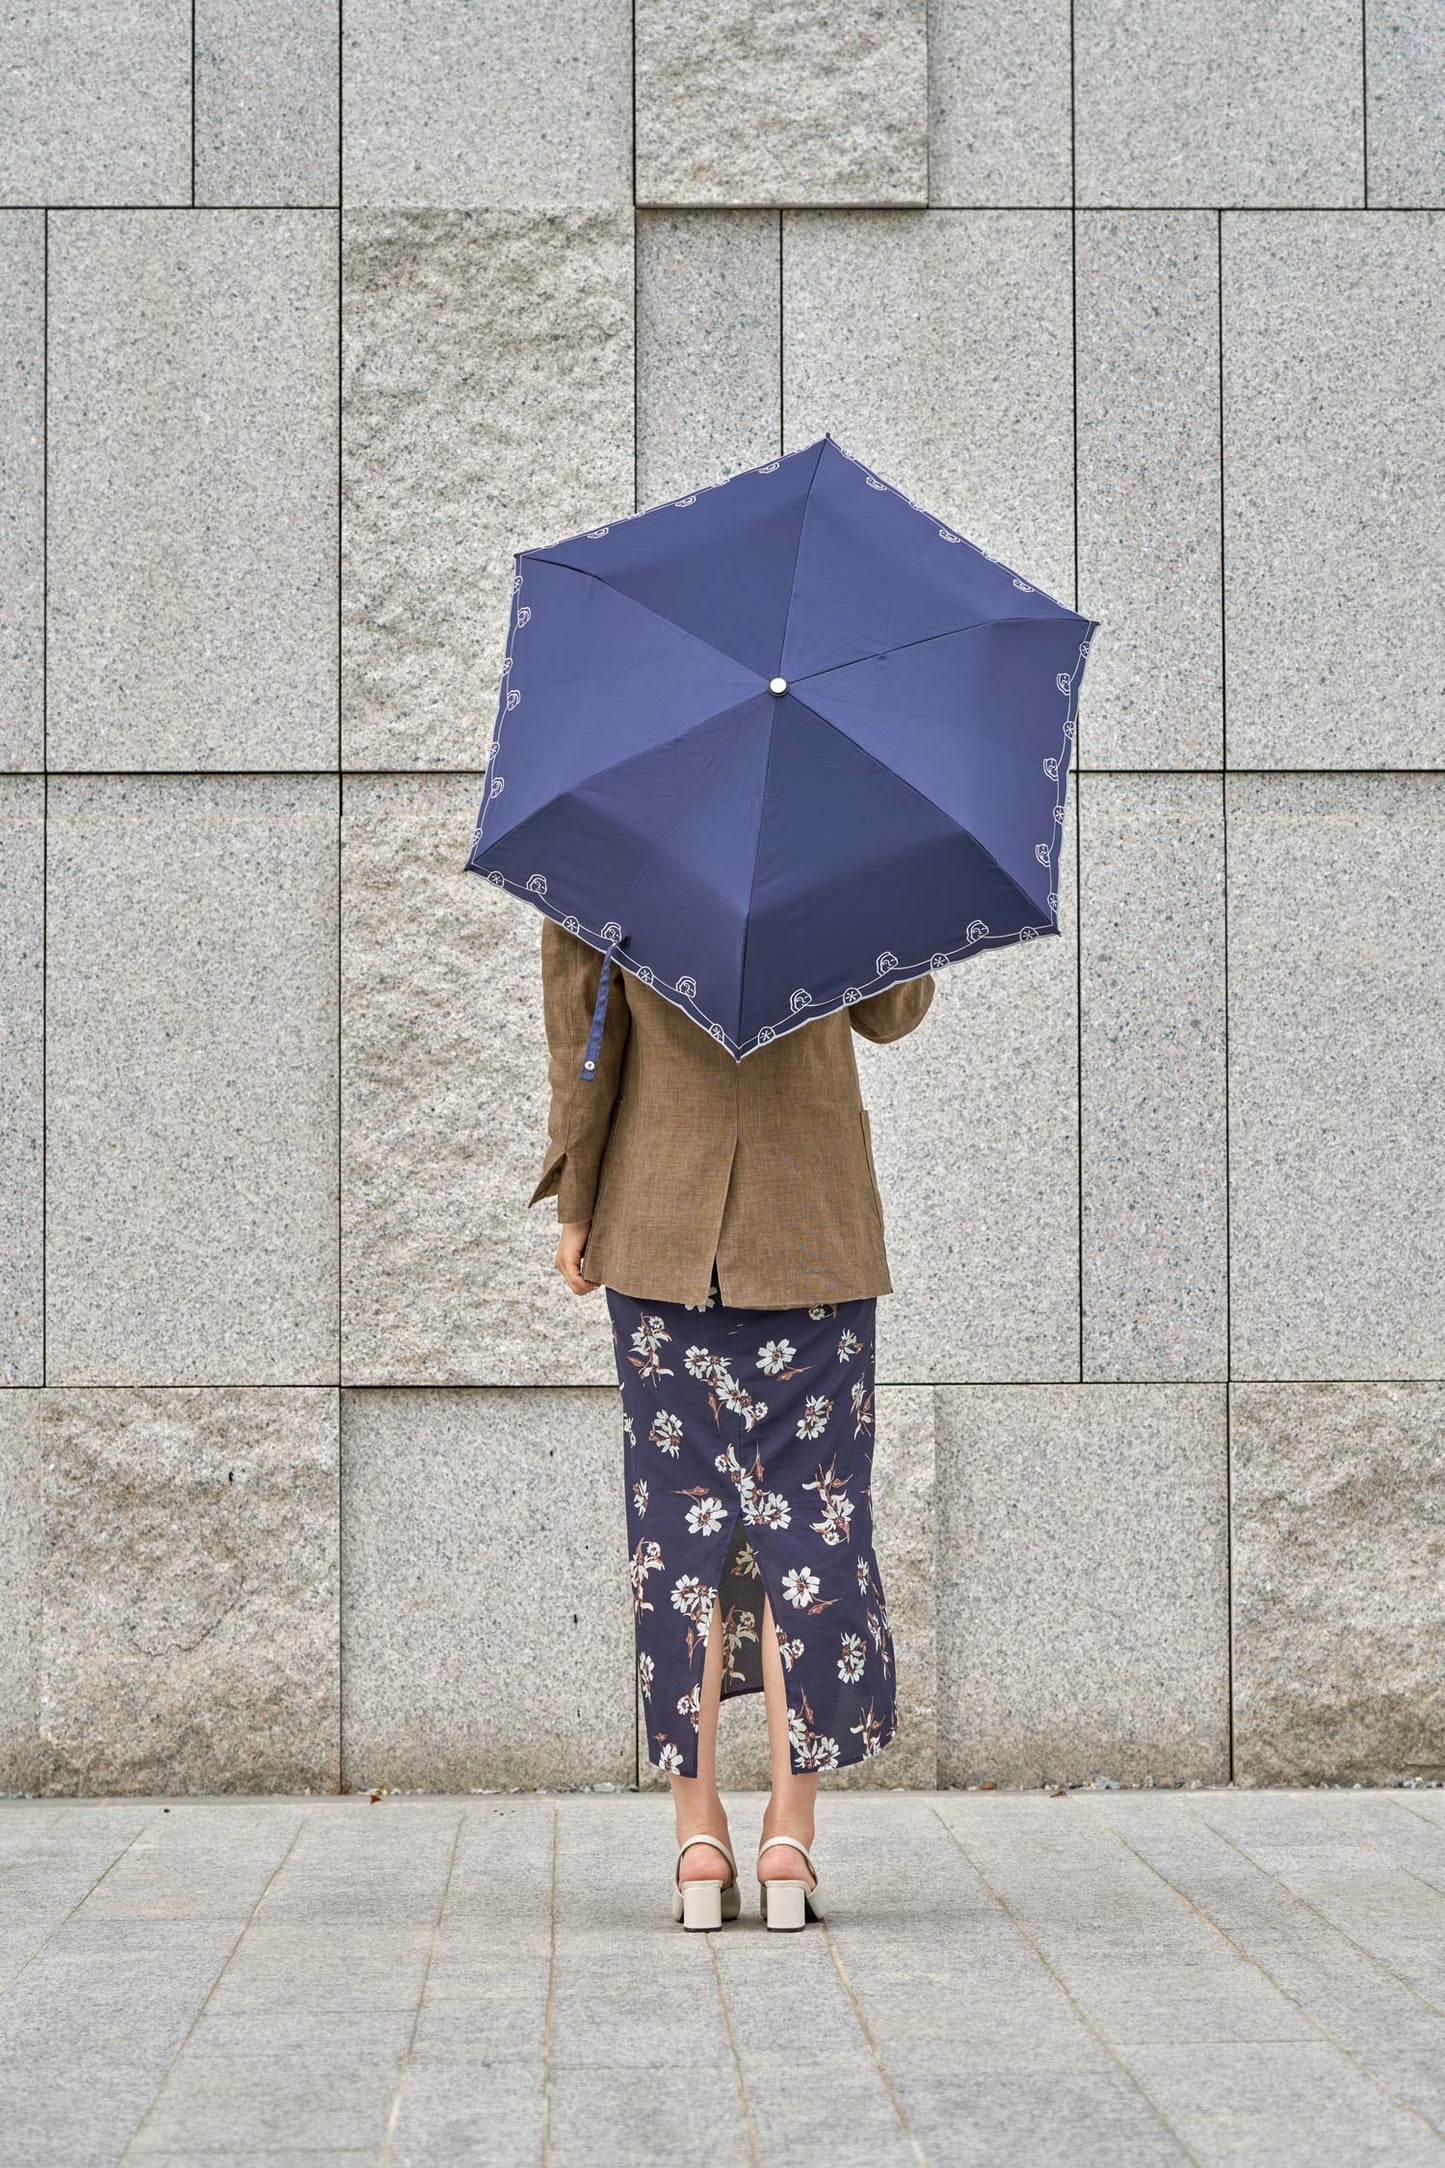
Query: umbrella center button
[{"x": 777, "y": 685}]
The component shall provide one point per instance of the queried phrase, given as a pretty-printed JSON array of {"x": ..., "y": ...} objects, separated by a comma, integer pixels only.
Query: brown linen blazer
[{"x": 679, "y": 1154}]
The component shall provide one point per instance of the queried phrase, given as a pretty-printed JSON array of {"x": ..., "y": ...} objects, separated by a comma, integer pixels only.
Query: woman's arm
[
  {"x": 580, "y": 1115},
  {"x": 895, "y": 1012}
]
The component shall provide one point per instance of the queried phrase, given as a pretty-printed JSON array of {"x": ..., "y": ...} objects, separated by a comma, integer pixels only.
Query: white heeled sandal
[
  {"x": 789, "y": 1905},
  {"x": 703, "y": 1906}
]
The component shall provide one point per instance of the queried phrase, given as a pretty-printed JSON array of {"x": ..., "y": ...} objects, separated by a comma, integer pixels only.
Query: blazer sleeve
[
  {"x": 895, "y": 1012},
  {"x": 580, "y": 1116}
]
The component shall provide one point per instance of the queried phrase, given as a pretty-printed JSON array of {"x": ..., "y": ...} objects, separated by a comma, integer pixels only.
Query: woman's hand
[{"x": 571, "y": 1243}]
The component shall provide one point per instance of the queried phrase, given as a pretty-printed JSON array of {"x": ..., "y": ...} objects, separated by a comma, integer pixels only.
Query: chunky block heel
[
  {"x": 701, "y": 1907},
  {"x": 788, "y": 1906}
]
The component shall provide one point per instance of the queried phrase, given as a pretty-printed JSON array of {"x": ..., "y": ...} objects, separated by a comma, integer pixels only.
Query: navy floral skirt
[{"x": 748, "y": 1444}]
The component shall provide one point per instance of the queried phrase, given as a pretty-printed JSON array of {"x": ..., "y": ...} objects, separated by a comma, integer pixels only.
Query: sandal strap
[
  {"x": 715, "y": 1844},
  {"x": 794, "y": 1844}
]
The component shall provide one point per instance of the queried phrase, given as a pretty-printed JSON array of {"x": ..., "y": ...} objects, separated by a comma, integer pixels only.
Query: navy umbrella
[{"x": 779, "y": 744}]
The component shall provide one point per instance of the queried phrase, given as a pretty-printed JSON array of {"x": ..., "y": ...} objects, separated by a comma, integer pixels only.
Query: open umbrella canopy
[{"x": 779, "y": 744}]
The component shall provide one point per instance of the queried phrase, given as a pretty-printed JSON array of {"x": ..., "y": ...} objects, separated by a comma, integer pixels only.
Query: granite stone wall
[{"x": 309, "y": 1467}]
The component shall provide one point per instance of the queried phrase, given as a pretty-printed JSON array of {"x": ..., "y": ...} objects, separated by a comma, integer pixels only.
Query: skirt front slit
[{"x": 748, "y": 1455}]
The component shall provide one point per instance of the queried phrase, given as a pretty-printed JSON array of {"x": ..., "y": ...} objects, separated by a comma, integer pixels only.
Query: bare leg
[
  {"x": 695, "y": 1801},
  {"x": 790, "y": 1809}
]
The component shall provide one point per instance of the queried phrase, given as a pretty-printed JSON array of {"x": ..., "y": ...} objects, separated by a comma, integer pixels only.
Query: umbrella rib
[
  {"x": 894, "y": 775},
  {"x": 980, "y": 624},
  {"x": 583, "y": 573},
  {"x": 797, "y": 556}
]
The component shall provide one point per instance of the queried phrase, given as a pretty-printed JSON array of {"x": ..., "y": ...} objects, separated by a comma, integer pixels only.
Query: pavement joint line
[
  {"x": 405, "y": 2071},
  {"x": 296, "y": 1835},
  {"x": 753, "y": 2153},
  {"x": 1074, "y": 2004},
  {"x": 1264, "y": 1972},
  {"x": 551, "y": 1997},
  {"x": 1370, "y": 1845},
  {"x": 61, "y": 1925},
  {"x": 877, "y": 2053},
  {"x": 1320, "y": 1914}
]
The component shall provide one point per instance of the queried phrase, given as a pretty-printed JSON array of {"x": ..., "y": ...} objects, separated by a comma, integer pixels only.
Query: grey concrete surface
[
  {"x": 22, "y": 1077},
  {"x": 22, "y": 461},
  {"x": 999, "y": 96},
  {"x": 1112, "y": 1977},
  {"x": 741, "y": 105},
  {"x": 1405, "y": 110},
  {"x": 95, "y": 102},
  {"x": 709, "y": 347},
  {"x": 267, "y": 124}
]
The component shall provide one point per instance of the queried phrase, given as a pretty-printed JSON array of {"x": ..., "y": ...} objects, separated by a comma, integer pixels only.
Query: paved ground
[{"x": 1100, "y": 1978}]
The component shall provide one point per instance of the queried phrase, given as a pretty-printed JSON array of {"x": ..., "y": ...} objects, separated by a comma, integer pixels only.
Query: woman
[{"x": 731, "y": 1210}]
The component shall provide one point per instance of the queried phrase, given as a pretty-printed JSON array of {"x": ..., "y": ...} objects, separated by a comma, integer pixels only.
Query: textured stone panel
[
  {"x": 1231, "y": 102},
  {"x": 495, "y": 104},
  {"x": 1405, "y": 101},
  {"x": 709, "y": 336},
  {"x": 1082, "y": 1584},
  {"x": 1338, "y": 1509},
  {"x": 22, "y": 462},
  {"x": 266, "y": 102},
  {"x": 22, "y": 1077},
  {"x": 192, "y": 433},
  {"x": 189, "y": 1638},
  {"x": 447, "y": 1275},
  {"x": 191, "y": 1219},
  {"x": 1334, "y": 477},
  {"x": 1149, "y": 519},
  {"x": 95, "y": 102},
  {"x": 903, "y": 1525},
  {"x": 488, "y": 408},
  {"x": 1336, "y": 1001},
  {"x": 939, "y": 348},
  {"x": 741, "y": 105},
  {"x": 998, "y": 83},
  {"x": 1153, "y": 1087},
  {"x": 486, "y": 1623},
  {"x": 975, "y": 1131},
  {"x": 20, "y": 1590}
]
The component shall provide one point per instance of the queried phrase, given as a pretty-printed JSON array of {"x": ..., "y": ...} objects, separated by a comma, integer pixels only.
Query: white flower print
[
  {"x": 745, "y": 1562},
  {"x": 790, "y": 1648},
  {"x": 700, "y": 1362},
  {"x": 738, "y": 1626},
  {"x": 645, "y": 1668},
  {"x": 837, "y": 1505},
  {"x": 707, "y": 1301},
  {"x": 862, "y": 1576},
  {"x": 629, "y": 1431},
  {"x": 670, "y": 1760},
  {"x": 767, "y": 1509},
  {"x": 688, "y": 1705},
  {"x": 800, "y": 1586},
  {"x": 870, "y": 1731},
  {"x": 810, "y": 1749},
  {"x": 706, "y": 1516},
  {"x": 666, "y": 1432},
  {"x": 848, "y": 1346},
  {"x": 639, "y": 1500},
  {"x": 816, "y": 1410},
  {"x": 687, "y": 1595},
  {"x": 824, "y": 1309},
  {"x": 850, "y": 1663},
  {"x": 862, "y": 1407},
  {"x": 737, "y": 1399},
  {"x": 648, "y": 1340},
  {"x": 776, "y": 1359},
  {"x": 646, "y": 1559}
]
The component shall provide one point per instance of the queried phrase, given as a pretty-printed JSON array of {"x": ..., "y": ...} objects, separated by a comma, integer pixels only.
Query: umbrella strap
[{"x": 599, "y": 1018}]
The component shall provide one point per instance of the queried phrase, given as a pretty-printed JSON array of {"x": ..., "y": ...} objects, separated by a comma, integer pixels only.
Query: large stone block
[
  {"x": 266, "y": 102},
  {"x": 1405, "y": 118},
  {"x": 999, "y": 102},
  {"x": 22, "y": 1077},
  {"x": 1338, "y": 1515},
  {"x": 904, "y": 1490},
  {"x": 1082, "y": 1584},
  {"x": 188, "y": 1580},
  {"x": 1334, "y": 479},
  {"x": 22, "y": 461},
  {"x": 1232, "y": 102},
  {"x": 1155, "y": 1268},
  {"x": 488, "y": 408},
  {"x": 975, "y": 1132},
  {"x": 955, "y": 380},
  {"x": 1336, "y": 1001},
  {"x": 447, "y": 1275},
  {"x": 192, "y": 491},
  {"x": 95, "y": 103},
  {"x": 490, "y": 105},
  {"x": 1149, "y": 518},
  {"x": 486, "y": 1625},
  {"x": 740, "y": 105},
  {"x": 191, "y": 1215},
  {"x": 709, "y": 339},
  {"x": 20, "y": 1592}
]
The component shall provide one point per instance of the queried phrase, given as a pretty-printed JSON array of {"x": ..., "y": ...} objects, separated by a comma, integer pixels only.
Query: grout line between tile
[
  {"x": 436, "y": 1933},
  {"x": 874, "y": 2049},
  {"x": 60, "y": 1925},
  {"x": 551, "y": 1998},
  {"x": 747, "y": 2112}
]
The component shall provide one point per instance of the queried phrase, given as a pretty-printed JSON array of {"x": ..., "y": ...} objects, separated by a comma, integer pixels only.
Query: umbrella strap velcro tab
[{"x": 599, "y": 1018}]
